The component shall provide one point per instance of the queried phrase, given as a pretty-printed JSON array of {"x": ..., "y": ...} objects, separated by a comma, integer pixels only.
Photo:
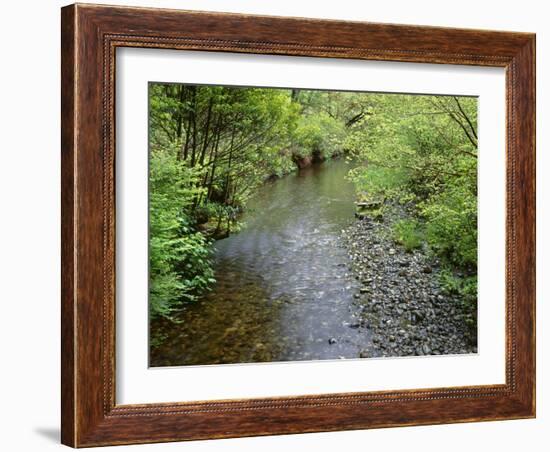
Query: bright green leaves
[
  {"x": 408, "y": 233},
  {"x": 319, "y": 134},
  {"x": 179, "y": 258},
  {"x": 211, "y": 147},
  {"x": 422, "y": 151},
  {"x": 451, "y": 224}
]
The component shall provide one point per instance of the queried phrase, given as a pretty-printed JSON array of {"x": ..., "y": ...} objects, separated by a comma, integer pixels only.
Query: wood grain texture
[
  {"x": 67, "y": 224},
  {"x": 90, "y": 36}
]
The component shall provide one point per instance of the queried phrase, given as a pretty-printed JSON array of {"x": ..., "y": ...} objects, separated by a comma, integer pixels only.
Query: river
[{"x": 284, "y": 291}]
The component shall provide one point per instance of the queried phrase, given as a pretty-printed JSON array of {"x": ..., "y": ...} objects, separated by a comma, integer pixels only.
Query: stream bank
[{"x": 400, "y": 296}]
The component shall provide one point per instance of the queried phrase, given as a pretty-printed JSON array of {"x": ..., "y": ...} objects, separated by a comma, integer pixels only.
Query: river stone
[{"x": 414, "y": 309}]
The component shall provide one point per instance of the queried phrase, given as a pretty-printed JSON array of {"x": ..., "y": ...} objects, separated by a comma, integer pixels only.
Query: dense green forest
[{"x": 211, "y": 147}]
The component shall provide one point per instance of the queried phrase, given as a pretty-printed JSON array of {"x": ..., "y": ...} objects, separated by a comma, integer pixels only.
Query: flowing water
[{"x": 283, "y": 291}]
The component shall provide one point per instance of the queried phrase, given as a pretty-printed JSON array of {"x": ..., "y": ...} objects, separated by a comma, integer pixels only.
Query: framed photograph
[{"x": 281, "y": 225}]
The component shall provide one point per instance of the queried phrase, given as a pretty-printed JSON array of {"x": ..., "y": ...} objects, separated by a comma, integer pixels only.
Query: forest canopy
[{"x": 211, "y": 147}]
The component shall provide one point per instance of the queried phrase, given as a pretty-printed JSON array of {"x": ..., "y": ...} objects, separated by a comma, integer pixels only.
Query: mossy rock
[{"x": 375, "y": 213}]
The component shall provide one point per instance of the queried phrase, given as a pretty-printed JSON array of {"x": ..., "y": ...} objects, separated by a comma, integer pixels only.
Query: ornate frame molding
[{"x": 90, "y": 36}]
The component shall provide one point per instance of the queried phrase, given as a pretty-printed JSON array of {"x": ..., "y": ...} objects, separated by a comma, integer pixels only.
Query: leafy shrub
[
  {"x": 452, "y": 225},
  {"x": 466, "y": 287},
  {"x": 179, "y": 256},
  {"x": 319, "y": 133},
  {"x": 423, "y": 150},
  {"x": 408, "y": 233},
  {"x": 373, "y": 181}
]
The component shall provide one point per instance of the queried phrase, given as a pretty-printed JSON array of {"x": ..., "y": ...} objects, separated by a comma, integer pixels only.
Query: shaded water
[{"x": 283, "y": 290}]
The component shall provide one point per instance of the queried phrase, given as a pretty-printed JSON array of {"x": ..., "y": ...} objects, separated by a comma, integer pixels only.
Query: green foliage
[
  {"x": 211, "y": 147},
  {"x": 408, "y": 233},
  {"x": 377, "y": 182},
  {"x": 451, "y": 219},
  {"x": 179, "y": 258},
  {"x": 422, "y": 150},
  {"x": 320, "y": 134},
  {"x": 466, "y": 287}
]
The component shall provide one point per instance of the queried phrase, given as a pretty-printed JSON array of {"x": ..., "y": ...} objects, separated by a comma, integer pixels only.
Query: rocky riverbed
[{"x": 400, "y": 296}]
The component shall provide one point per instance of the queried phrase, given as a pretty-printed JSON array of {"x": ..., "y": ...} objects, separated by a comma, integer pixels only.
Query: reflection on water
[{"x": 283, "y": 290}]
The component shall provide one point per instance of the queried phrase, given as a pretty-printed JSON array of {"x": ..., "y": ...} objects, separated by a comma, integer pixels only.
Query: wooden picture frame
[{"x": 90, "y": 36}]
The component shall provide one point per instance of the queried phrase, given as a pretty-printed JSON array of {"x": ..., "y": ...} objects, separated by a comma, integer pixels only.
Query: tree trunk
[{"x": 206, "y": 130}]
